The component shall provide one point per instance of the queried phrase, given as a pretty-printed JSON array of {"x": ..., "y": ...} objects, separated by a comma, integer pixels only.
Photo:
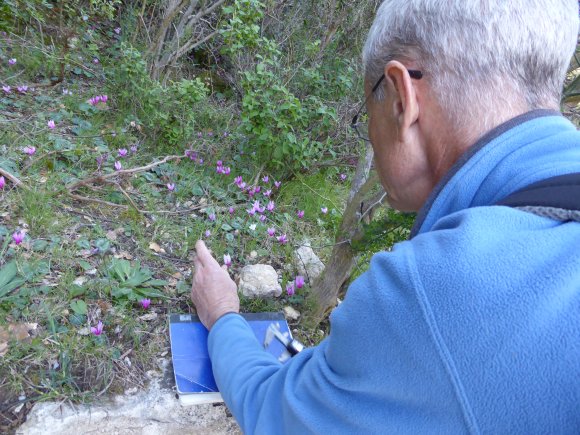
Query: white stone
[
  {"x": 290, "y": 313},
  {"x": 259, "y": 281},
  {"x": 308, "y": 264},
  {"x": 152, "y": 412}
]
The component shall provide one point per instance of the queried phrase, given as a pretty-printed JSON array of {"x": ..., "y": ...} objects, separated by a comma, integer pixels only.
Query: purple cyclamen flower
[
  {"x": 324, "y": 210},
  {"x": 251, "y": 211},
  {"x": 207, "y": 233},
  {"x": 271, "y": 206},
  {"x": 290, "y": 289},
  {"x": 227, "y": 170},
  {"x": 22, "y": 89},
  {"x": 133, "y": 149},
  {"x": 265, "y": 178},
  {"x": 18, "y": 236},
  {"x": 219, "y": 163},
  {"x": 2, "y": 182},
  {"x": 104, "y": 98},
  {"x": 199, "y": 134},
  {"x": 123, "y": 152},
  {"x": 343, "y": 177},
  {"x": 227, "y": 260},
  {"x": 12, "y": 61},
  {"x": 263, "y": 218},
  {"x": 211, "y": 217},
  {"x": 171, "y": 187},
  {"x": 271, "y": 232},
  {"x": 277, "y": 184},
  {"x": 219, "y": 169},
  {"x": 200, "y": 161},
  {"x": 51, "y": 124},
  {"x": 242, "y": 185},
  {"x": 97, "y": 330},
  {"x": 6, "y": 89},
  {"x": 299, "y": 281},
  {"x": 258, "y": 207},
  {"x": 232, "y": 210},
  {"x": 29, "y": 150},
  {"x": 117, "y": 30},
  {"x": 95, "y": 61},
  {"x": 238, "y": 180},
  {"x": 282, "y": 239},
  {"x": 145, "y": 303},
  {"x": 267, "y": 193},
  {"x": 300, "y": 214},
  {"x": 118, "y": 165}
]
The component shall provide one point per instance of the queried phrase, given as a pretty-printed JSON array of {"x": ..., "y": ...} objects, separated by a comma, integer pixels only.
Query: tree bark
[{"x": 326, "y": 288}]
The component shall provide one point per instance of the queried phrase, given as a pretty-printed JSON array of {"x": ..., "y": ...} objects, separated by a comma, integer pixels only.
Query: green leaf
[
  {"x": 76, "y": 290},
  {"x": 79, "y": 307}
]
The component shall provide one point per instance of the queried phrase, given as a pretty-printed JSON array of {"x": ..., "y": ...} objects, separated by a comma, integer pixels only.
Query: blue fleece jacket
[{"x": 472, "y": 326}]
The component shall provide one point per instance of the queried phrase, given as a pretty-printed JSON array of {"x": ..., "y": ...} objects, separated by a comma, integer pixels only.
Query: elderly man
[{"x": 473, "y": 325}]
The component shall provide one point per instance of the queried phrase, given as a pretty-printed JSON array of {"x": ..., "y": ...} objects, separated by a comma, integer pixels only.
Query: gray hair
[{"x": 478, "y": 53}]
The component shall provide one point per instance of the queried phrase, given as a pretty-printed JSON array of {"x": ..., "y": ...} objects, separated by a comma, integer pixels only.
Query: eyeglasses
[{"x": 361, "y": 127}]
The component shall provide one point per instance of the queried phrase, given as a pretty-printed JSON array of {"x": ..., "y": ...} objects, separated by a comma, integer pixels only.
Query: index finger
[{"x": 203, "y": 254}]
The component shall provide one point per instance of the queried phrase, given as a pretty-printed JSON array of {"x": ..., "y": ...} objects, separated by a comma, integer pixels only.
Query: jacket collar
[{"x": 459, "y": 188}]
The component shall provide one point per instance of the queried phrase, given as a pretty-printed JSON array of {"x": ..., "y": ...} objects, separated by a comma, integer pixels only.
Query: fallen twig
[{"x": 13, "y": 179}]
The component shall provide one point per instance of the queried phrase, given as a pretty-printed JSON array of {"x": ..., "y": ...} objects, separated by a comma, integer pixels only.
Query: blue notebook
[{"x": 191, "y": 364}]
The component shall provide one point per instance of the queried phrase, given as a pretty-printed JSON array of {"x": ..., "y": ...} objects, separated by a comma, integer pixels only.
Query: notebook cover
[{"x": 191, "y": 363}]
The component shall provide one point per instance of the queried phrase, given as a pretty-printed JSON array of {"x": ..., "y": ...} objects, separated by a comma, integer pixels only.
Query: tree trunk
[{"x": 343, "y": 260}]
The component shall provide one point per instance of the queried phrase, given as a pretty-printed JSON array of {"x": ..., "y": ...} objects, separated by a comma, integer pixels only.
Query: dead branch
[
  {"x": 13, "y": 179},
  {"x": 102, "y": 178}
]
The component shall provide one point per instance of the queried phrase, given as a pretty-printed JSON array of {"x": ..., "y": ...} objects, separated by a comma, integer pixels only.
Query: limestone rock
[
  {"x": 308, "y": 264},
  {"x": 290, "y": 313},
  {"x": 259, "y": 281}
]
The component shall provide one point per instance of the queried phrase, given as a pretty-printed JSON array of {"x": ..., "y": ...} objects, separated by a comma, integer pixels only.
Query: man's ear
[{"x": 405, "y": 106}]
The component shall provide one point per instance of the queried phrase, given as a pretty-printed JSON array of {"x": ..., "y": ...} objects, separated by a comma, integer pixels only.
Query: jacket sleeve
[{"x": 377, "y": 371}]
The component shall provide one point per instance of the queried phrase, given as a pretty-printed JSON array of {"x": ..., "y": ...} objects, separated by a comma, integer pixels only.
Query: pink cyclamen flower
[
  {"x": 263, "y": 218},
  {"x": 104, "y": 98},
  {"x": 251, "y": 211},
  {"x": 227, "y": 260},
  {"x": 171, "y": 187},
  {"x": 145, "y": 303},
  {"x": 118, "y": 165},
  {"x": 123, "y": 152},
  {"x": 18, "y": 236},
  {"x": 22, "y": 89},
  {"x": 97, "y": 330},
  {"x": 238, "y": 180},
  {"x": 258, "y": 207},
  {"x": 133, "y": 149},
  {"x": 282, "y": 239},
  {"x": 29, "y": 150},
  {"x": 342, "y": 177},
  {"x": 324, "y": 210},
  {"x": 271, "y": 232},
  {"x": 207, "y": 233},
  {"x": 219, "y": 169},
  {"x": 51, "y": 124},
  {"x": 265, "y": 178},
  {"x": 95, "y": 61},
  {"x": 232, "y": 210},
  {"x": 6, "y": 89},
  {"x": 299, "y": 281},
  {"x": 211, "y": 217},
  {"x": 290, "y": 289},
  {"x": 300, "y": 214},
  {"x": 271, "y": 206},
  {"x": 267, "y": 193},
  {"x": 2, "y": 182},
  {"x": 219, "y": 163},
  {"x": 277, "y": 184},
  {"x": 12, "y": 61},
  {"x": 227, "y": 170},
  {"x": 117, "y": 30}
]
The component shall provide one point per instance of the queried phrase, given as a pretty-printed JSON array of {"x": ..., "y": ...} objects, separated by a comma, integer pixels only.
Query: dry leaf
[
  {"x": 80, "y": 280},
  {"x": 15, "y": 331},
  {"x": 155, "y": 247},
  {"x": 149, "y": 316},
  {"x": 123, "y": 254}
]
